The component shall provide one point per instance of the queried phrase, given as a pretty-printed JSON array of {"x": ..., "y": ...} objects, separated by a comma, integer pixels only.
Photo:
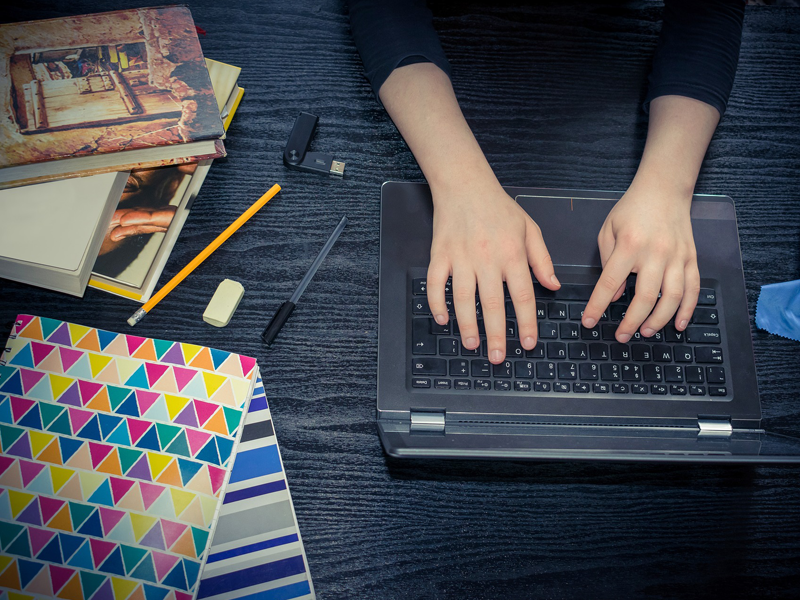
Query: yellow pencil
[{"x": 139, "y": 314}]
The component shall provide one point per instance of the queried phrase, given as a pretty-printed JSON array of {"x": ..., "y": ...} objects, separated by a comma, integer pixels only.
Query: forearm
[
  {"x": 420, "y": 100},
  {"x": 678, "y": 136}
]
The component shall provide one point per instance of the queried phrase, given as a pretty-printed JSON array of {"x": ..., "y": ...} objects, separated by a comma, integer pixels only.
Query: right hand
[{"x": 482, "y": 237}]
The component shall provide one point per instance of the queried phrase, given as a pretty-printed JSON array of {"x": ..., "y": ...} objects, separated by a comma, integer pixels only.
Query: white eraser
[{"x": 223, "y": 303}]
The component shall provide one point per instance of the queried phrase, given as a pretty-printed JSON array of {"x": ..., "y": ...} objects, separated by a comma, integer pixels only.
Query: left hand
[{"x": 648, "y": 232}]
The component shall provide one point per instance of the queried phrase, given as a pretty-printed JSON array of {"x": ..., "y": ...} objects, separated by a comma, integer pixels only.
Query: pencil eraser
[{"x": 223, "y": 303}]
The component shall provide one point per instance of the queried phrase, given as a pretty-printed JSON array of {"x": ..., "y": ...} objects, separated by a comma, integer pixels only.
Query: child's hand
[
  {"x": 481, "y": 236},
  {"x": 648, "y": 232}
]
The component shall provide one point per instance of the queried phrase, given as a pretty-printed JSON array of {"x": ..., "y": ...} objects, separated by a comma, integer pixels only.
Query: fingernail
[
  {"x": 589, "y": 322},
  {"x": 496, "y": 356},
  {"x": 683, "y": 324},
  {"x": 471, "y": 343},
  {"x": 647, "y": 332},
  {"x": 440, "y": 319},
  {"x": 528, "y": 343},
  {"x": 554, "y": 280},
  {"x": 623, "y": 338}
]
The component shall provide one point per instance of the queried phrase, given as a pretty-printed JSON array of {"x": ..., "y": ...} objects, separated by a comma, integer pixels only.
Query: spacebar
[{"x": 568, "y": 291}]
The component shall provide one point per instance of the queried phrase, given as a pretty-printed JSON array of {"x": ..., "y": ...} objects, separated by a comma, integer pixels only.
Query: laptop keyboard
[{"x": 569, "y": 358}]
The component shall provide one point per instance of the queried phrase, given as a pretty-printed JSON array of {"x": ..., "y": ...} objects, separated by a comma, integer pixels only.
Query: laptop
[{"x": 677, "y": 396}]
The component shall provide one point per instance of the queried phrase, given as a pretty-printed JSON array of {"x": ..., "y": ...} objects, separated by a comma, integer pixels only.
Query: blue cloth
[{"x": 778, "y": 309}]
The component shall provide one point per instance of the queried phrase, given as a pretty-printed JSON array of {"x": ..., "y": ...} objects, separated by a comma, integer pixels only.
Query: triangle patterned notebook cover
[{"x": 116, "y": 451}]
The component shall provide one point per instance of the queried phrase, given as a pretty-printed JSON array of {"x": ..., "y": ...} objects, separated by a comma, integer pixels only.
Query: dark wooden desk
[{"x": 553, "y": 94}]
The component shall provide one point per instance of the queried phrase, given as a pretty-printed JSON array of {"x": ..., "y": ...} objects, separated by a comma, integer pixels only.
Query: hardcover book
[{"x": 104, "y": 92}]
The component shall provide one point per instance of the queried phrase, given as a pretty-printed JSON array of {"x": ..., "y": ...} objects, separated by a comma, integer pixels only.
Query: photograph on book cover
[
  {"x": 139, "y": 225},
  {"x": 103, "y": 83}
]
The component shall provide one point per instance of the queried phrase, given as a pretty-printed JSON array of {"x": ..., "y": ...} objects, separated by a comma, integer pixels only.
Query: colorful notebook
[
  {"x": 257, "y": 551},
  {"x": 116, "y": 450}
]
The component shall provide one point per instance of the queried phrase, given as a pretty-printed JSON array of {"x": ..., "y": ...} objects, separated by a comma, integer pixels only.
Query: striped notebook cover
[{"x": 257, "y": 552}]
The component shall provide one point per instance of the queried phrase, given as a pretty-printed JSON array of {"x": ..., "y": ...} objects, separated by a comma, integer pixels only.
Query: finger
[
  {"x": 606, "y": 244},
  {"x": 620, "y": 291},
  {"x": 464, "y": 302},
  {"x": 438, "y": 272},
  {"x": 668, "y": 303},
  {"x": 493, "y": 309},
  {"x": 539, "y": 257},
  {"x": 520, "y": 287},
  {"x": 648, "y": 284},
  {"x": 612, "y": 279},
  {"x": 691, "y": 291}
]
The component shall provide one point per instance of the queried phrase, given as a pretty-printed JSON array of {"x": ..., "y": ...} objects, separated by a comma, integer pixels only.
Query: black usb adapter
[{"x": 296, "y": 155}]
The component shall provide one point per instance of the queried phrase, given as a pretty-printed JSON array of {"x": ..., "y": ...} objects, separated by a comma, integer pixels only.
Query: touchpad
[{"x": 569, "y": 226}]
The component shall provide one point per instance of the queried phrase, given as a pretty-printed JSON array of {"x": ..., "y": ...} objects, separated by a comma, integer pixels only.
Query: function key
[
  {"x": 639, "y": 388},
  {"x": 708, "y": 297},
  {"x": 580, "y": 388},
  {"x": 600, "y": 388},
  {"x": 558, "y": 386},
  {"x": 522, "y": 386},
  {"x": 697, "y": 390},
  {"x": 483, "y": 384},
  {"x": 541, "y": 386},
  {"x": 619, "y": 388},
  {"x": 502, "y": 386},
  {"x": 677, "y": 390},
  {"x": 658, "y": 389}
]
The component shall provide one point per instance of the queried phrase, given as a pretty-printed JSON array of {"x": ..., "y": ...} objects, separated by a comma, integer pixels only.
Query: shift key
[{"x": 703, "y": 335}]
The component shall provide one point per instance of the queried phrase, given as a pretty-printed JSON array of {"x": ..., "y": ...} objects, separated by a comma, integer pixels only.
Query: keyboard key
[
  {"x": 560, "y": 387},
  {"x": 480, "y": 368},
  {"x": 514, "y": 349},
  {"x": 590, "y": 334},
  {"x": 462, "y": 384},
  {"x": 618, "y": 312},
  {"x": 510, "y": 312},
  {"x": 541, "y": 386},
  {"x": 576, "y": 311},
  {"x": 523, "y": 369},
  {"x": 652, "y": 373},
  {"x": 620, "y": 352},
  {"x": 511, "y": 329},
  {"x": 619, "y": 388},
  {"x": 708, "y": 355},
  {"x": 639, "y": 388},
  {"x": 419, "y": 286},
  {"x": 545, "y": 370},
  {"x": 446, "y": 329},
  {"x": 502, "y": 386},
  {"x": 641, "y": 352},
  {"x": 541, "y": 311},
  {"x": 556, "y": 350},
  {"x": 658, "y": 389},
  {"x": 697, "y": 390},
  {"x": 421, "y": 383},
  {"x": 708, "y": 297},
  {"x": 569, "y": 331},
  {"x": 631, "y": 372},
  {"x": 580, "y": 388},
  {"x": 717, "y": 390},
  {"x": 441, "y": 384},
  {"x": 556, "y": 310},
  {"x": 672, "y": 335},
  {"x": 483, "y": 384},
  {"x": 567, "y": 292},
  {"x": 429, "y": 366},
  {"x": 598, "y": 351},
  {"x": 695, "y": 374},
  {"x": 683, "y": 354},
  {"x": 419, "y": 305},
  {"x": 662, "y": 353},
  {"x": 503, "y": 370},
  {"x": 459, "y": 367},
  {"x": 537, "y": 352},
  {"x": 567, "y": 370},
  {"x": 677, "y": 390},
  {"x": 705, "y": 316},
  {"x": 673, "y": 374},
  {"x": 449, "y": 346},
  {"x": 473, "y": 352},
  {"x": 522, "y": 386},
  {"x": 609, "y": 372},
  {"x": 600, "y": 388},
  {"x": 703, "y": 335},
  {"x": 715, "y": 375},
  {"x": 422, "y": 341},
  {"x": 578, "y": 351},
  {"x": 609, "y": 331},
  {"x": 548, "y": 330},
  {"x": 588, "y": 371}
]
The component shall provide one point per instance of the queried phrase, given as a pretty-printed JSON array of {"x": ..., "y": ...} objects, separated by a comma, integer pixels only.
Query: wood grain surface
[{"x": 553, "y": 91}]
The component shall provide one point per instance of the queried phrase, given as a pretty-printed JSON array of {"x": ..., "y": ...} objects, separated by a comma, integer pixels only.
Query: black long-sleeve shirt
[{"x": 696, "y": 56}]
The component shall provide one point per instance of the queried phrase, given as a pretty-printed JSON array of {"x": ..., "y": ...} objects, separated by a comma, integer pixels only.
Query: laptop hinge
[
  {"x": 427, "y": 420},
  {"x": 715, "y": 425}
]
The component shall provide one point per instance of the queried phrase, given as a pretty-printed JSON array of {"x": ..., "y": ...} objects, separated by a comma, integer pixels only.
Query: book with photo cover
[
  {"x": 104, "y": 92},
  {"x": 152, "y": 212}
]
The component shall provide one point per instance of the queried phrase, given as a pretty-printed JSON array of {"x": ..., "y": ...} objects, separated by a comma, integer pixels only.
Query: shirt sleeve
[
  {"x": 698, "y": 51},
  {"x": 393, "y": 33}
]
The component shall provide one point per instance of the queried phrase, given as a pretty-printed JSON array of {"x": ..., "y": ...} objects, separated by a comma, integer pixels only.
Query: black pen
[{"x": 284, "y": 310}]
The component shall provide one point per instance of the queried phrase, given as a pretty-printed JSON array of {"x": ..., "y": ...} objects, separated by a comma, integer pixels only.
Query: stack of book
[{"x": 109, "y": 125}]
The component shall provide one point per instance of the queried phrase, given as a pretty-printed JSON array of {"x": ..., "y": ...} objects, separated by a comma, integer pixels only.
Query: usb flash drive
[{"x": 296, "y": 155}]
